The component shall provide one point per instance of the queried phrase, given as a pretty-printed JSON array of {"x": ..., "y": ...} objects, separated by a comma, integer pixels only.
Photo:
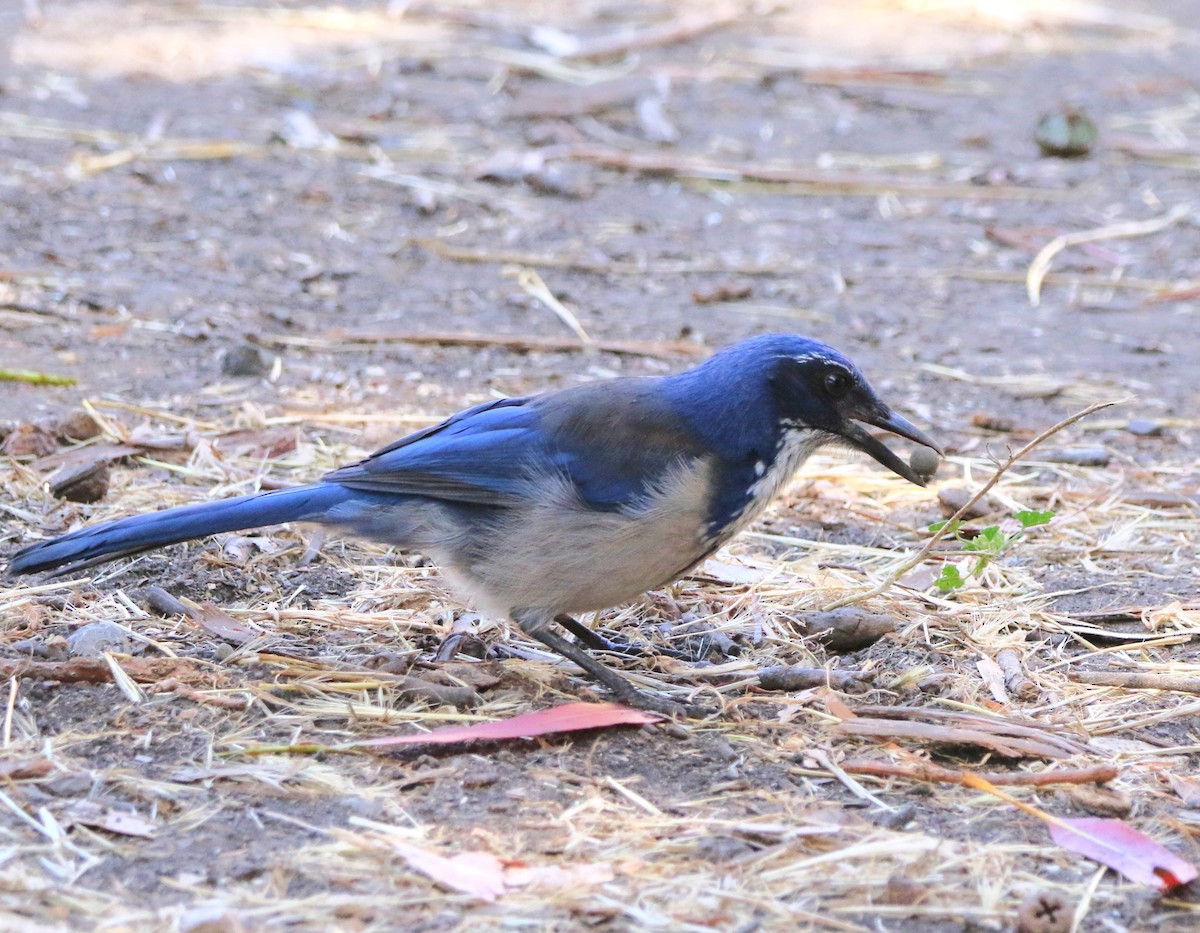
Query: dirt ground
[{"x": 260, "y": 239}]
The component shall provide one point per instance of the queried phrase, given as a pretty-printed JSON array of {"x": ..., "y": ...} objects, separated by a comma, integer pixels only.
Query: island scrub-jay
[{"x": 567, "y": 502}]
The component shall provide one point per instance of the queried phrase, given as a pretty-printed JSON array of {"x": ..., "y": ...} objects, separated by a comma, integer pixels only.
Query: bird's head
[{"x": 816, "y": 388}]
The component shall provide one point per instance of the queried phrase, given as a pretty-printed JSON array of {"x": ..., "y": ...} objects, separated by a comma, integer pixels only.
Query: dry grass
[{"x": 786, "y": 836}]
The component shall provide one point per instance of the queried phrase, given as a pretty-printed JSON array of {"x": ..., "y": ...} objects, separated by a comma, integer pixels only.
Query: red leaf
[
  {"x": 223, "y": 626},
  {"x": 475, "y": 873},
  {"x": 1119, "y": 846},
  {"x": 568, "y": 718}
]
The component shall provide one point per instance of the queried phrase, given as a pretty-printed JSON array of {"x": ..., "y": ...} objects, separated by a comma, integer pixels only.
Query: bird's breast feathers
[{"x": 796, "y": 444}]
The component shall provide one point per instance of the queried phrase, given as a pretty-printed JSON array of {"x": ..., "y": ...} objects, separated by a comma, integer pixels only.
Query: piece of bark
[
  {"x": 849, "y": 628},
  {"x": 789, "y": 678}
]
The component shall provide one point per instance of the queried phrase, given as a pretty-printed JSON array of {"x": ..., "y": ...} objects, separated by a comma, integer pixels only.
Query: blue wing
[{"x": 613, "y": 443}]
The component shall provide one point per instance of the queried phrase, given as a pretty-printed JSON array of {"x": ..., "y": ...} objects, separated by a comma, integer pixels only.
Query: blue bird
[{"x": 542, "y": 507}]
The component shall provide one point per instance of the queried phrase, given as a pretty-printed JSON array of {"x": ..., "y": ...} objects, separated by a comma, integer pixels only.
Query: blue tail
[{"x": 99, "y": 543}]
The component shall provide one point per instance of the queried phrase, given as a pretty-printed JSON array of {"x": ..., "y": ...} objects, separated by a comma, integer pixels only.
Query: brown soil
[{"x": 240, "y": 225}]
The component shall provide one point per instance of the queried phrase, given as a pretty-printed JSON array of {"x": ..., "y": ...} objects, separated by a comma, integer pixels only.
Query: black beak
[{"x": 882, "y": 417}]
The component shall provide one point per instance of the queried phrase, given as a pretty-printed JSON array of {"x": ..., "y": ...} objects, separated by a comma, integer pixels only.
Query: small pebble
[
  {"x": 925, "y": 462},
  {"x": 90, "y": 640},
  {"x": 77, "y": 426},
  {"x": 1144, "y": 428},
  {"x": 89, "y": 483},
  {"x": 29, "y": 440},
  {"x": 951, "y": 500},
  {"x": 71, "y": 784},
  {"x": 1078, "y": 456},
  {"x": 721, "y": 848},
  {"x": 245, "y": 359},
  {"x": 480, "y": 777}
]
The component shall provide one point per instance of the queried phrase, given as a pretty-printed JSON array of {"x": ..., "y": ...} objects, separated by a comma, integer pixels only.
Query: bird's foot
[
  {"x": 621, "y": 688},
  {"x": 657, "y": 703},
  {"x": 600, "y": 641}
]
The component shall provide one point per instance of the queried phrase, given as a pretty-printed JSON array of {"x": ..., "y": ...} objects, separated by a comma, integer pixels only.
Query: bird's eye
[{"x": 837, "y": 383}]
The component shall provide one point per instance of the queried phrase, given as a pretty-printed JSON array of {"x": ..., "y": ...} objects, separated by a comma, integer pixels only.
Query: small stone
[
  {"x": 72, "y": 784},
  {"x": 77, "y": 426},
  {"x": 91, "y": 640},
  {"x": 1142, "y": 427},
  {"x": 721, "y": 848},
  {"x": 245, "y": 359},
  {"x": 29, "y": 440},
  {"x": 1078, "y": 456},
  {"x": 925, "y": 462},
  {"x": 701, "y": 640},
  {"x": 88, "y": 483},
  {"x": 480, "y": 777},
  {"x": 951, "y": 500}
]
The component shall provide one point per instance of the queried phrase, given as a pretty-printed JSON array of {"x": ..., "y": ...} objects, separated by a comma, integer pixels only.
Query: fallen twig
[
  {"x": 89, "y": 670},
  {"x": 787, "y": 678},
  {"x": 1041, "y": 262},
  {"x": 954, "y": 520},
  {"x": 658, "y": 349},
  {"x": 1010, "y": 746},
  {"x": 671, "y": 32},
  {"x": 1015, "y": 681},
  {"x": 683, "y": 166},
  {"x": 927, "y": 771},
  {"x": 604, "y": 266},
  {"x": 1135, "y": 681},
  {"x": 532, "y": 284}
]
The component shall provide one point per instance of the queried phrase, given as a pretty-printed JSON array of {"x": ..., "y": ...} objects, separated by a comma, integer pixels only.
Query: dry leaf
[
  {"x": 568, "y": 718},
  {"x": 1121, "y": 847},
  {"x": 121, "y": 822},
  {"x": 730, "y": 573},
  {"x": 993, "y": 678},
  {"x": 476, "y": 873},
  {"x": 1188, "y": 789},
  {"x": 216, "y": 622}
]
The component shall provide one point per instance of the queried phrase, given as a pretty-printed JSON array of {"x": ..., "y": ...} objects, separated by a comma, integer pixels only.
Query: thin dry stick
[
  {"x": 533, "y": 285},
  {"x": 668, "y": 33},
  {"x": 848, "y": 782},
  {"x": 1135, "y": 681},
  {"x": 920, "y": 556},
  {"x": 1041, "y": 262},
  {"x": 927, "y": 771}
]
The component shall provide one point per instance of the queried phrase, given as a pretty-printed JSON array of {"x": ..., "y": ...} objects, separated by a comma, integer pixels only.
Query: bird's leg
[
  {"x": 598, "y": 642},
  {"x": 624, "y": 691},
  {"x": 538, "y": 625}
]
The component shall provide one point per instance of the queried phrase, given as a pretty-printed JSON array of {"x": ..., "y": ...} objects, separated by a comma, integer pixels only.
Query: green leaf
[
  {"x": 1029, "y": 518},
  {"x": 950, "y": 579},
  {"x": 990, "y": 540}
]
